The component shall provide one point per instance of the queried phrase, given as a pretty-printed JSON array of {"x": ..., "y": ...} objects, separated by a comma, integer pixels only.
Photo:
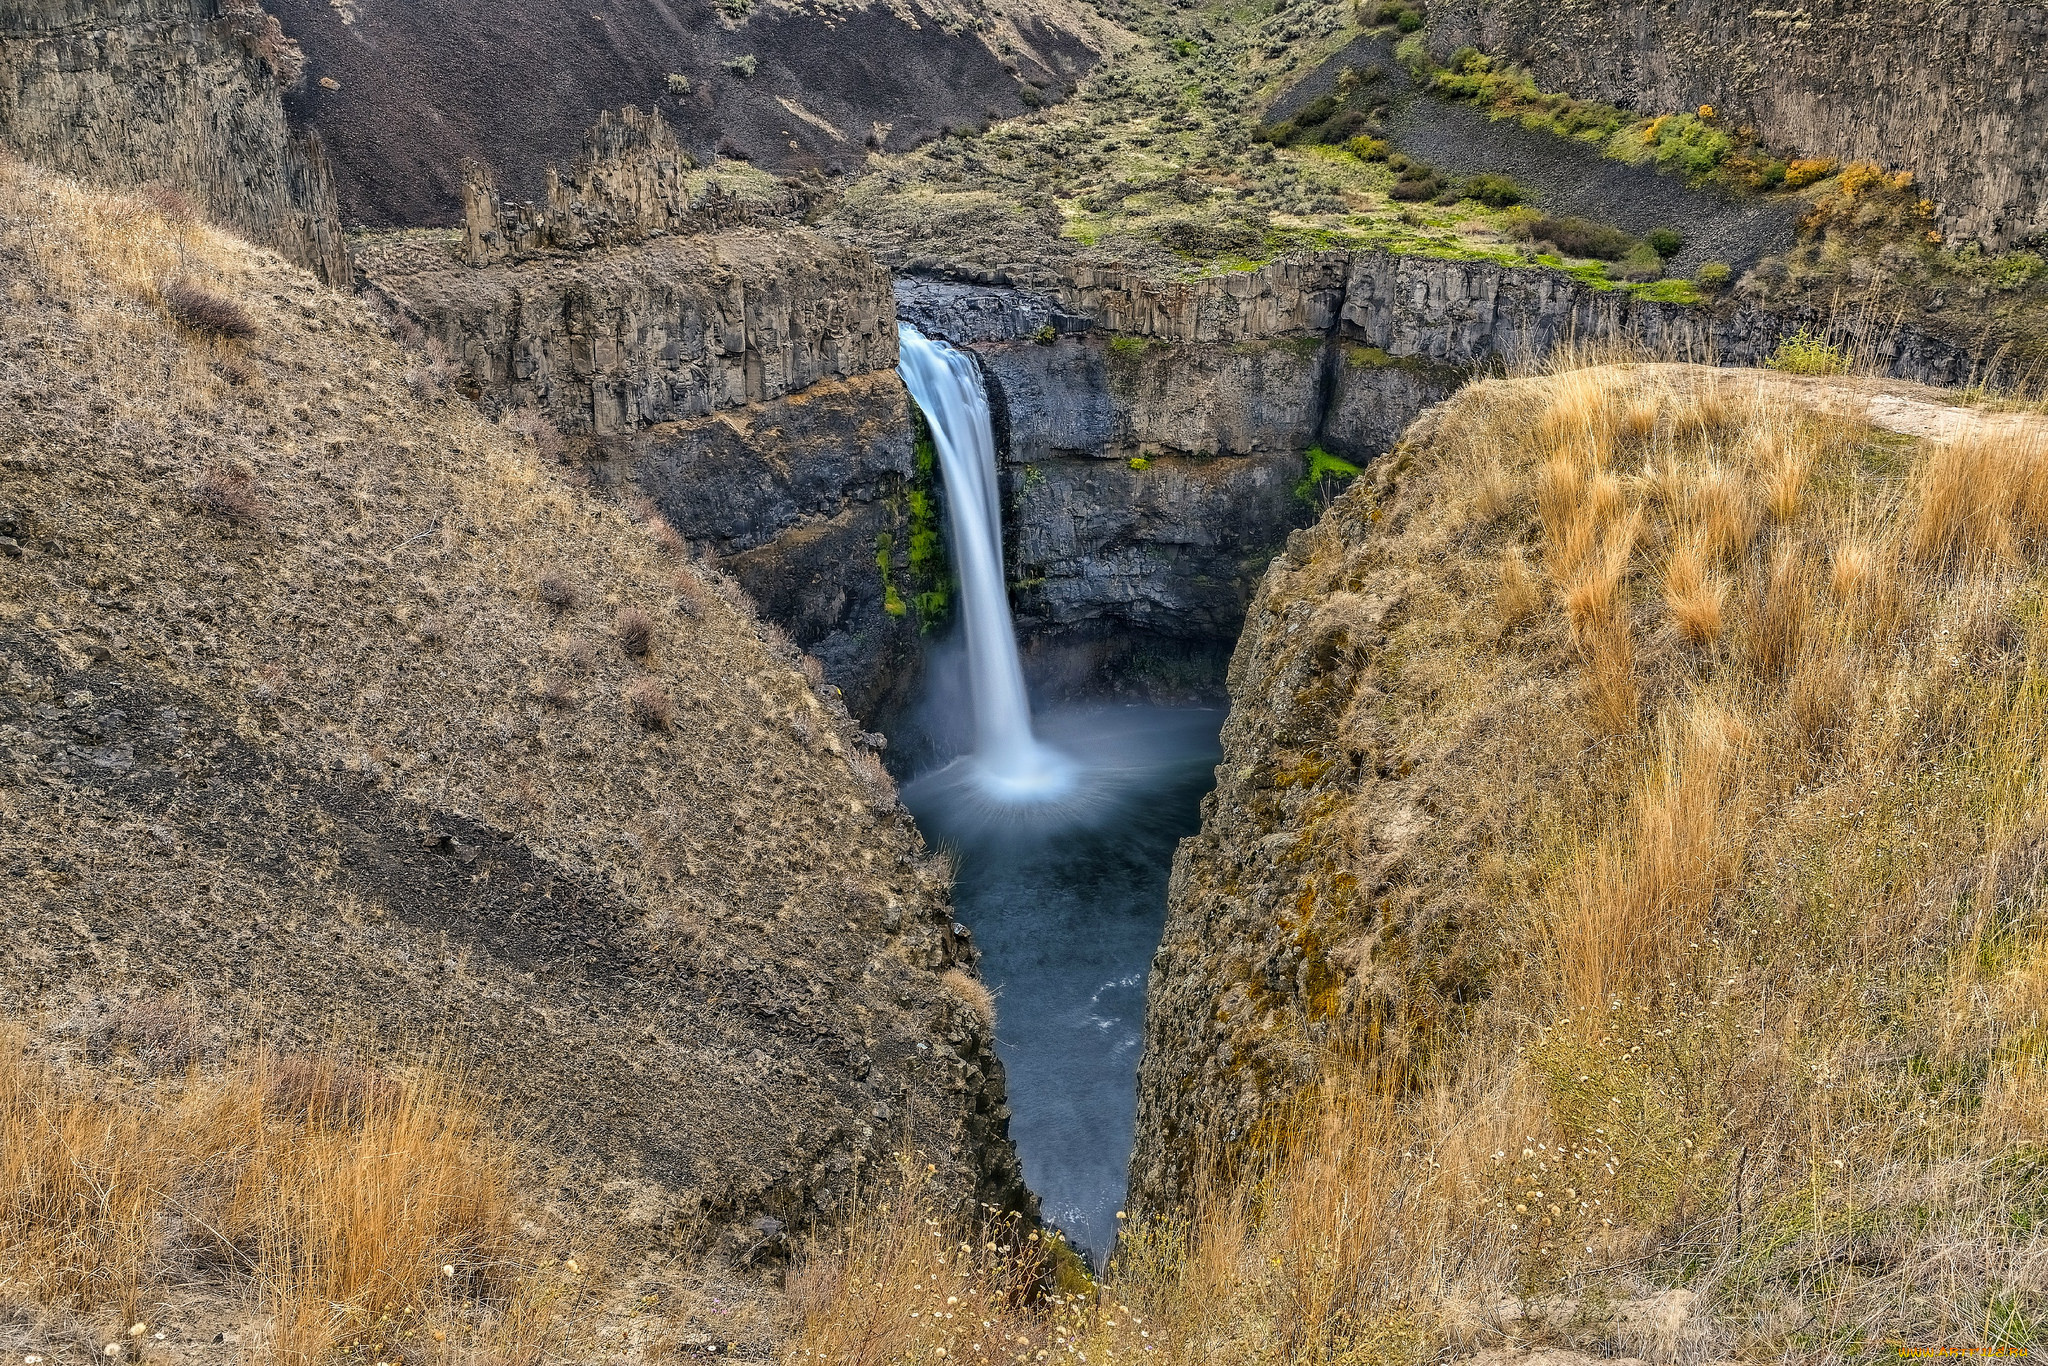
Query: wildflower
[
  {"x": 448, "y": 1269},
  {"x": 113, "y": 1349},
  {"x": 137, "y": 1330}
]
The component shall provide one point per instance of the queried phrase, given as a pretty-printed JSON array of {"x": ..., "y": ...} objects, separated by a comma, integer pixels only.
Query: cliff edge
[{"x": 1623, "y": 865}]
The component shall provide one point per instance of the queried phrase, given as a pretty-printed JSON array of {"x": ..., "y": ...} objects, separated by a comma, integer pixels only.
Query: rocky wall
[
  {"x": 178, "y": 93},
  {"x": 1956, "y": 92}
]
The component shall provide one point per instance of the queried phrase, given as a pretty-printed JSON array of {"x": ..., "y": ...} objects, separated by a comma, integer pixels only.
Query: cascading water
[
  {"x": 1063, "y": 849},
  {"x": 1008, "y": 762}
]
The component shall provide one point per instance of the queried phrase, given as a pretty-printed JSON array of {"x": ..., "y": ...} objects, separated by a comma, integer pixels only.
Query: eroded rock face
[
  {"x": 611, "y": 341},
  {"x": 1955, "y": 93},
  {"x": 169, "y": 92},
  {"x": 798, "y": 496}
]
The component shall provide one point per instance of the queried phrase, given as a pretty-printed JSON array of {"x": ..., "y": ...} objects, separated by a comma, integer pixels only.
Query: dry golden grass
[
  {"x": 973, "y": 991},
  {"x": 343, "y": 1204},
  {"x": 1695, "y": 596},
  {"x": 1744, "y": 829}
]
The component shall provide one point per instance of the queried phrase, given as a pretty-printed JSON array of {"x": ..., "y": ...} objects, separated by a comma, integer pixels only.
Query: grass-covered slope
[
  {"x": 1631, "y": 819},
  {"x": 334, "y": 714}
]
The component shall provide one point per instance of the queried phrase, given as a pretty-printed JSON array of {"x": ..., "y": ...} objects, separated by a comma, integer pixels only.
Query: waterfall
[{"x": 1010, "y": 764}]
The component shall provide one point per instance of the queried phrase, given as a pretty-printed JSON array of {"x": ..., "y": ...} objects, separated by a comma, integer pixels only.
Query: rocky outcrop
[
  {"x": 1955, "y": 93},
  {"x": 183, "y": 94},
  {"x": 744, "y": 379},
  {"x": 632, "y": 182},
  {"x": 609, "y": 342},
  {"x": 405, "y": 740},
  {"x": 798, "y": 497}
]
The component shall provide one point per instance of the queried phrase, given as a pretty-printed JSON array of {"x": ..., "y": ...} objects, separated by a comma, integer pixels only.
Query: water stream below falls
[{"x": 1064, "y": 831}]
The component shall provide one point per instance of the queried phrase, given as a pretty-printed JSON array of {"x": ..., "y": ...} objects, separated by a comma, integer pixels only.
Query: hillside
[
  {"x": 1623, "y": 878},
  {"x": 334, "y": 715},
  {"x": 403, "y": 94}
]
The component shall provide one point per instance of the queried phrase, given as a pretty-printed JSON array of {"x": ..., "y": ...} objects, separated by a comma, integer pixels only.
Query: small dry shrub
[
  {"x": 230, "y": 493},
  {"x": 170, "y": 201},
  {"x": 431, "y": 371},
  {"x": 635, "y": 630},
  {"x": 648, "y": 703},
  {"x": 199, "y": 309},
  {"x": 556, "y": 692},
  {"x": 534, "y": 425},
  {"x": 668, "y": 538},
  {"x": 559, "y": 592},
  {"x": 972, "y": 992},
  {"x": 161, "y": 1034},
  {"x": 691, "y": 595},
  {"x": 881, "y": 788}
]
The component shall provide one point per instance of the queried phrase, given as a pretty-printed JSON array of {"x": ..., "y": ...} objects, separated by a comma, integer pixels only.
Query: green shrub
[
  {"x": 2017, "y": 271},
  {"x": 1583, "y": 237},
  {"x": 1408, "y": 21},
  {"x": 1045, "y": 335},
  {"x": 1139, "y": 462},
  {"x": 1682, "y": 143},
  {"x": 1641, "y": 263},
  {"x": 1494, "y": 191},
  {"x": 1714, "y": 276},
  {"x": 1805, "y": 353},
  {"x": 1367, "y": 149},
  {"x": 1666, "y": 242},
  {"x": 743, "y": 66},
  {"x": 1128, "y": 348},
  {"x": 678, "y": 83}
]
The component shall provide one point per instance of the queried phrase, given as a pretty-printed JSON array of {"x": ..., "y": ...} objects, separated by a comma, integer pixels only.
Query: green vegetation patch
[{"x": 1323, "y": 477}]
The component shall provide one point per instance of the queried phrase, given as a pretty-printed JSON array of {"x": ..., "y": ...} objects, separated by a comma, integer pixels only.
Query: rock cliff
[
  {"x": 331, "y": 709},
  {"x": 1955, "y": 93},
  {"x": 182, "y": 94}
]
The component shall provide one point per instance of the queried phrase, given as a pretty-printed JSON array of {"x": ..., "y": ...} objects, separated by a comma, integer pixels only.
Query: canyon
[{"x": 480, "y": 632}]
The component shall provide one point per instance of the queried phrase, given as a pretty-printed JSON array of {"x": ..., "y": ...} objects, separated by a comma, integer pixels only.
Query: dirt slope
[
  {"x": 417, "y": 89},
  {"x": 320, "y": 714}
]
